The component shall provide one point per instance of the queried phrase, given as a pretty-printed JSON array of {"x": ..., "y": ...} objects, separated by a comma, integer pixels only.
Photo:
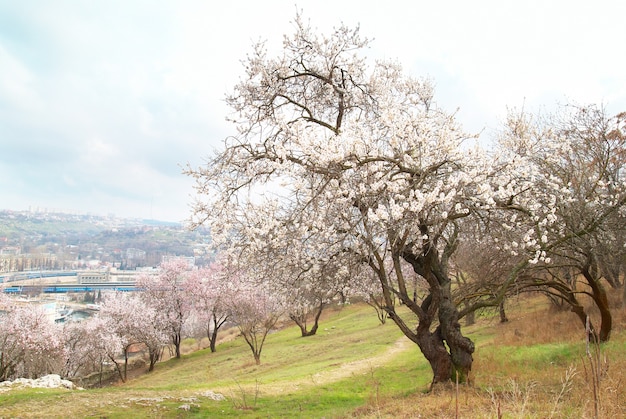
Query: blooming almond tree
[
  {"x": 211, "y": 293},
  {"x": 166, "y": 292},
  {"x": 134, "y": 322},
  {"x": 564, "y": 189},
  {"x": 363, "y": 164},
  {"x": 255, "y": 311},
  {"x": 31, "y": 344},
  {"x": 306, "y": 279},
  {"x": 83, "y": 344}
]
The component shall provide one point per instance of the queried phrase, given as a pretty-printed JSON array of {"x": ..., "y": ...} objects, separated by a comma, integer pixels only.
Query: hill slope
[{"x": 357, "y": 367}]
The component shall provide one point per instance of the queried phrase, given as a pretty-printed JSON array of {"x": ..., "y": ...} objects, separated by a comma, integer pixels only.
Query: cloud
[{"x": 102, "y": 102}]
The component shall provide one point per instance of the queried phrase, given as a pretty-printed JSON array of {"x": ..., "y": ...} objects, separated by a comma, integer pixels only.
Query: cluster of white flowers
[{"x": 365, "y": 158}]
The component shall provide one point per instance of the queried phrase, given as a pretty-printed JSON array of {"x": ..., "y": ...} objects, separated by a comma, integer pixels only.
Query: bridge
[
  {"x": 69, "y": 288},
  {"x": 22, "y": 276}
]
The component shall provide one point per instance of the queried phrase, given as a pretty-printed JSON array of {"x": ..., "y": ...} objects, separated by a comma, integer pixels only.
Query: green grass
[
  {"x": 353, "y": 367},
  {"x": 316, "y": 376},
  {"x": 349, "y": 335}
]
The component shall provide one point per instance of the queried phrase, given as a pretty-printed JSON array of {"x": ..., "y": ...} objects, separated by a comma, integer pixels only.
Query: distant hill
[
  {"x": 26, "y": 223},
  {"x": 94, "y": 237}
]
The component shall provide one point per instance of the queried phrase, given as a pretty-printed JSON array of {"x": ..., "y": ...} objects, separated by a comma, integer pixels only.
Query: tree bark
[
  {"x": 461, "y": 347},
  {"x": 470, "y": 318},
  {"x": 176, "y": 339},
  {"x": 432, "y": 346},
  {"x": 154, "y": 354},
  {"x": 301, "y": 321},
  {"x": 602, "y": 302},
  {"x": 446, "y": 349},
  {"x": 218, "y": 321},
  {"x": 503, "y": 318},
  {"x": 213, "y": 339}
]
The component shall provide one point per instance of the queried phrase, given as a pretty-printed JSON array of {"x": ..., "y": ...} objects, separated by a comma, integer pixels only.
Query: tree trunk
[
  {"x": 439, "y": 303},
  {"x": 213, "y": 339},
  {"x": 118, "y": 368},
  {"x": 381, "y": 313},
  {"x": 313, "y": 330},
  {"x": 470, "y": 318},
  {"x": 602, "y": 302},
  {"x": 301, "y": 320},
  {"x": 461, "y": 347},
  {"x": 434, "y": 350},
  {"x": 125, "y": 364},
  {"x": 176, "y": 339},
  {"x": 434, "y": 346},
  {"x": 218, "y": 321},
  {"x": 154, "y": 354},
  {"x": 503, "y": 318},
  {"x": 586, "y": 322}
]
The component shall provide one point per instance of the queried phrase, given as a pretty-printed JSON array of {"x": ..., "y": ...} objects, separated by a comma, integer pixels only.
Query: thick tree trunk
[
  {"x": 448, "y": 352},
  {"x": 461, "y": 347},
  {"x": 434, "y": 350},
  {"x": 446, "y": 349}
]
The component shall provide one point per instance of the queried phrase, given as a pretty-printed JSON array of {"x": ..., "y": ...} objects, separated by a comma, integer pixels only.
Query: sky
[{"x": 102, "y": 103}]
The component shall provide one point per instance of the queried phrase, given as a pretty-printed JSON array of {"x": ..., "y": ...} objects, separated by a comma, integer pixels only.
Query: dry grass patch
[{"x": 534, "y": 366}]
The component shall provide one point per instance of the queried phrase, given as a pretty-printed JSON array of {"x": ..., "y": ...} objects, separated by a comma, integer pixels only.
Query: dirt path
[{"x": 360, "y": 367}]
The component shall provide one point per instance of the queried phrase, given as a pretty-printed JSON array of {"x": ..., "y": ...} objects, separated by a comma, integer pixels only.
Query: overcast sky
[{"x": 102, "y": 102}]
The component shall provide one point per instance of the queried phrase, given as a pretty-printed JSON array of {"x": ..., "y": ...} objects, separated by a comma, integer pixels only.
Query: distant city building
[
  {"x": 10, "y": 251},
  {"x": 13, "y": 260},
  {"x": 132, "y": 253},
  {"x": 191, "y": 261},
  {"x": 93, "y": 277}
]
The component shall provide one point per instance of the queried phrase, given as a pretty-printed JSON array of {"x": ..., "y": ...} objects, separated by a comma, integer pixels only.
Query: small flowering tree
[
  {"x": 103, "y": 345},
  {"x": 122, "y": 317},
  {"x": 166, "y": 292},
  {"x": 78, "y": 359},
  {"x": 134, "y": 322},
  {"x": 211, "y": 293},
  {"x": 255, "y": 311},
  {"x": 152, "y": 335},
  {"x": 306, "y": 282},
  {"x": 31, "y": 344}
]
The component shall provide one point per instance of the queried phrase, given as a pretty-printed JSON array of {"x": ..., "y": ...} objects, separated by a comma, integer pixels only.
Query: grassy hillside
[{"x": 534, "y": 366}]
